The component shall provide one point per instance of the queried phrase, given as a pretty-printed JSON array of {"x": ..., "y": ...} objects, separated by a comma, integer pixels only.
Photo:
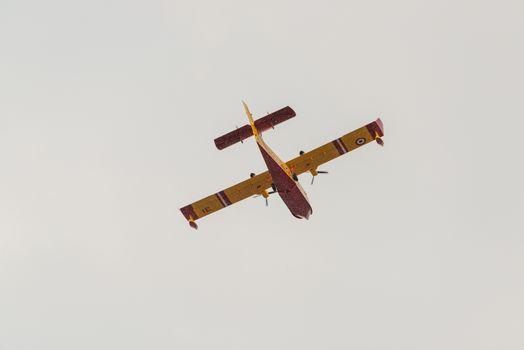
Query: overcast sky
[{"x": 108, "y": 111}]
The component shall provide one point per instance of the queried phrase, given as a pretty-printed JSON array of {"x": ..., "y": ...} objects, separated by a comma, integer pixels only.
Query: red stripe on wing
[
  {"x": 188, "y": 211},
  {"x": 225, "y": 197},
  {"x": 338, "y": 147},
  {"x": 376, "y": 127}
]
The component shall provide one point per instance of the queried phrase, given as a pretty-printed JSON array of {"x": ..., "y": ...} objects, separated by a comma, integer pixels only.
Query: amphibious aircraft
[{"x": 281, "y": 177}]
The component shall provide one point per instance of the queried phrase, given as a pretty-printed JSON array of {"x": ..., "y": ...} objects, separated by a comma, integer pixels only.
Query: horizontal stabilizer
[{"x": 261, "y": 124}]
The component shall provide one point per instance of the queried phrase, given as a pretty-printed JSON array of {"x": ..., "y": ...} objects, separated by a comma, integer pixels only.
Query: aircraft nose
[{"x": 309, "y": 212}]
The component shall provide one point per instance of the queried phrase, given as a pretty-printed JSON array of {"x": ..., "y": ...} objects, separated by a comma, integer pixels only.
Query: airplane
[{"x": 281, "y": 177}]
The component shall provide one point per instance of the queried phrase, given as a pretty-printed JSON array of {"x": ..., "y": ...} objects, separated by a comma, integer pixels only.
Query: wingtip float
[{"x": 281, "y": 177}]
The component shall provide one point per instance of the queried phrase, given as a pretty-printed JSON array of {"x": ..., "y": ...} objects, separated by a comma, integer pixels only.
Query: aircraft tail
[
  {"x": 255, "y": 127},
  {"x": 251, "y": 122}
]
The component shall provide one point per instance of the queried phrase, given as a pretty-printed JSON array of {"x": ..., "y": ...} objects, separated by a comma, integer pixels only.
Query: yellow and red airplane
[{"x": 281, "y": 177}]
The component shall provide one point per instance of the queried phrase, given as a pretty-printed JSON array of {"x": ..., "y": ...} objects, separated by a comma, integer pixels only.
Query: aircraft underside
[{"x": 281, "y": 176}]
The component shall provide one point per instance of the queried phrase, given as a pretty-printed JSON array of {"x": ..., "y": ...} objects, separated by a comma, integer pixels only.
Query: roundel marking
[{"x": 360, "y": 141}]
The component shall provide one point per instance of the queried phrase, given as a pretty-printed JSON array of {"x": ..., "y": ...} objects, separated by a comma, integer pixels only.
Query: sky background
[{"x": 108, "y": 111}]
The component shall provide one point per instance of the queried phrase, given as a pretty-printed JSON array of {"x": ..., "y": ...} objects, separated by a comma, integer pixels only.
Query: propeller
[
  {"x": 318, "y": 172},
  {"x": 266, "y": 194}
]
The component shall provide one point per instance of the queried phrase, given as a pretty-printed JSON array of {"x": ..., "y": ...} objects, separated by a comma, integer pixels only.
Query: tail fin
[
  {"x": 260, "y": 125},
  {"x": 251, "y": 122}
]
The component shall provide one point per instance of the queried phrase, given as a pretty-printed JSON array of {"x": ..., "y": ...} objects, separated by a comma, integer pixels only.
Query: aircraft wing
[
  {"x": 309, "y": 161},
  {"x": 210, "y": 204}
]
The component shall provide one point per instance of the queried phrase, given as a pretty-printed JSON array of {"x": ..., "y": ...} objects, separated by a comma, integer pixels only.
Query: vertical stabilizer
[{"x": 251, "y": 122}]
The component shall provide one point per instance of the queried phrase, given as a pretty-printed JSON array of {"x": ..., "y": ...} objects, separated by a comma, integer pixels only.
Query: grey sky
[{"x": 108, "y": 111}]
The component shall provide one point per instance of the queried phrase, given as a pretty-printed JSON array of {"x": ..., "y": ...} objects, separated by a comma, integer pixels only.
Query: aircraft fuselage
[{"x": 289, "y": 190}]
